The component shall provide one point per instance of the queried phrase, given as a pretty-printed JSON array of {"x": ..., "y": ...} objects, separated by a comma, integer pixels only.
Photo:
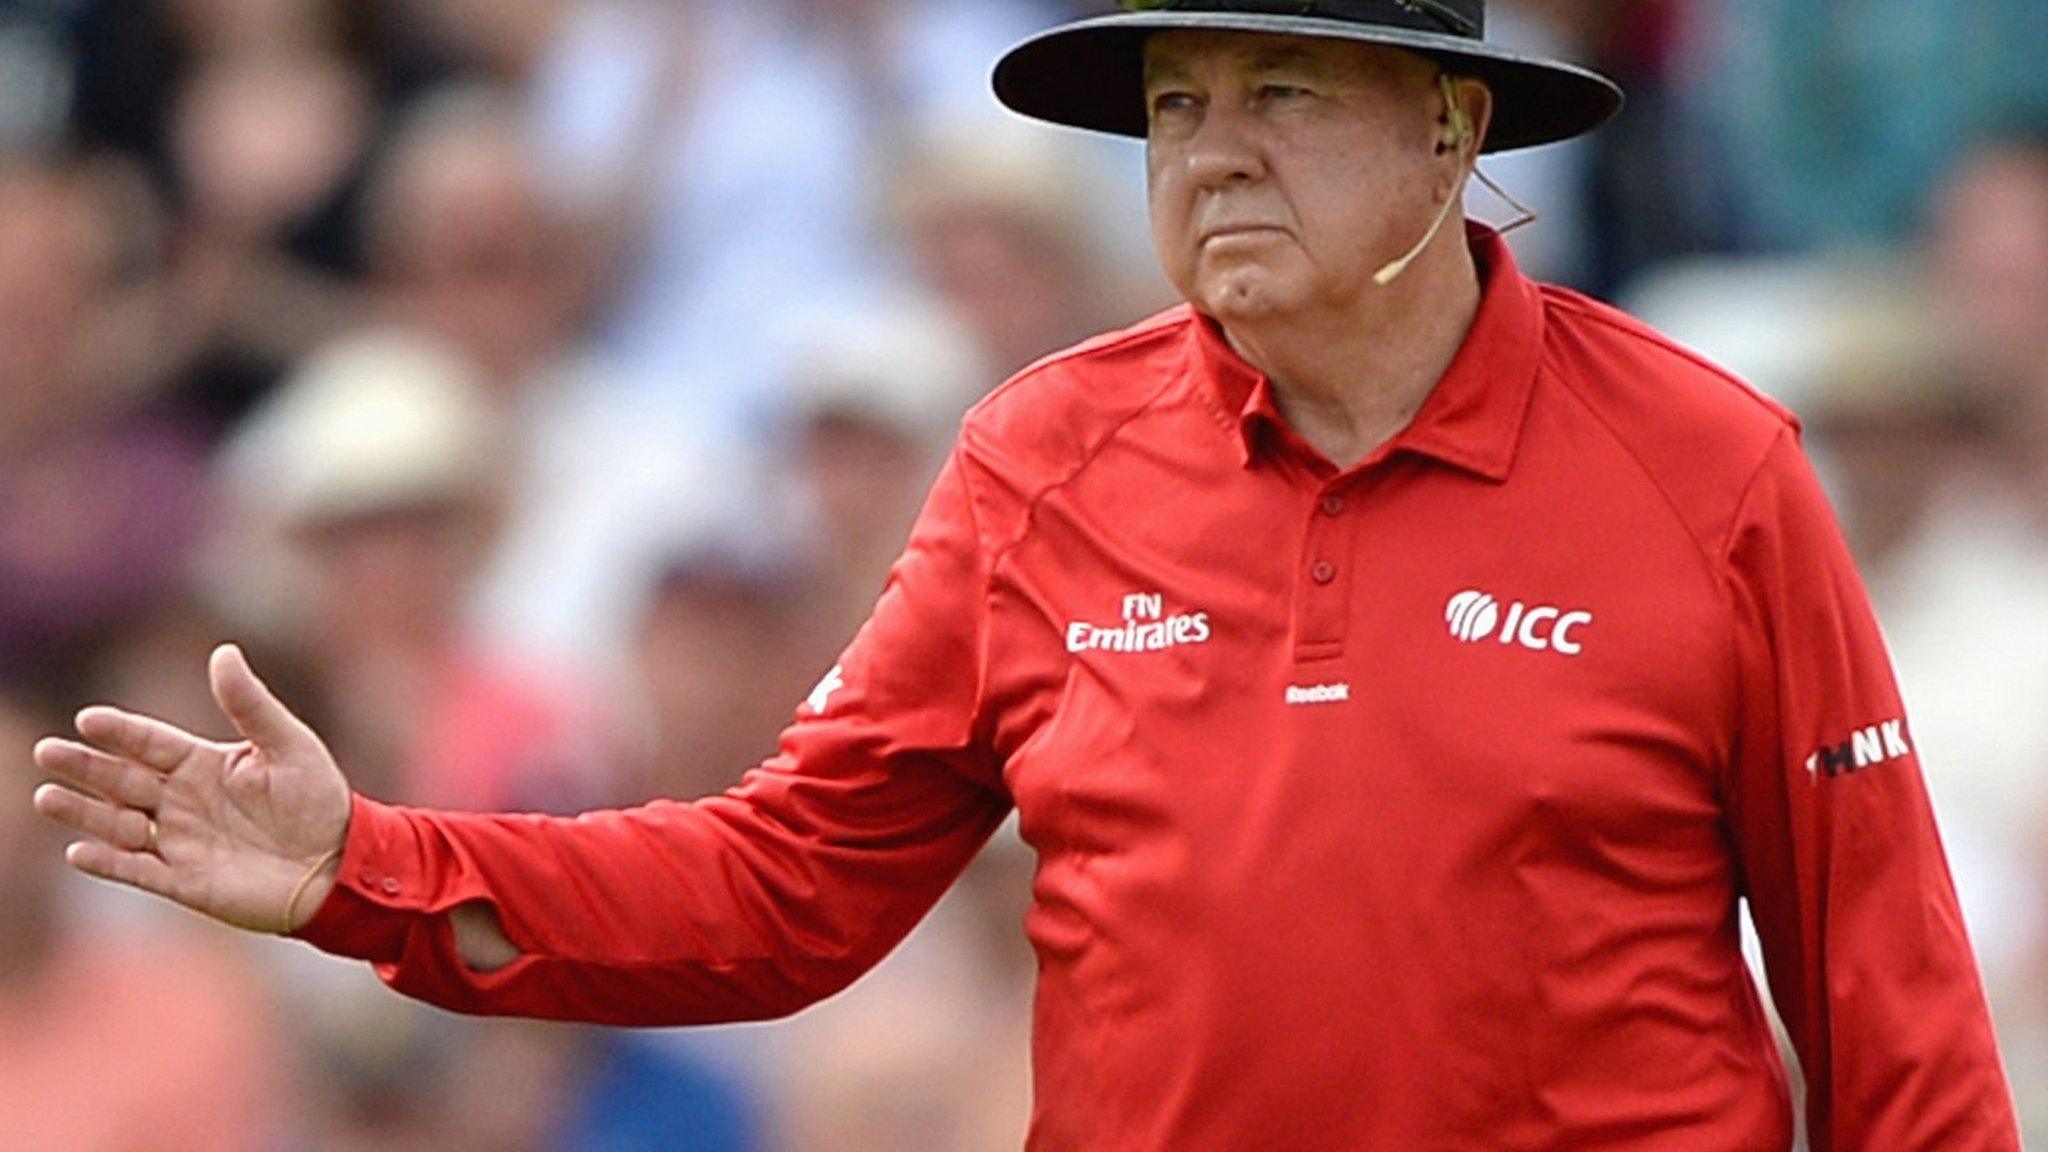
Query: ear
[
  {"x": 1467, "y": 112},
  {"x": 1476, "y": 99}
]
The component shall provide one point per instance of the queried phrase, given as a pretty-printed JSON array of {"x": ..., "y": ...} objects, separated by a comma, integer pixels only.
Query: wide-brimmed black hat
[{"x": 1089, "y": 74}]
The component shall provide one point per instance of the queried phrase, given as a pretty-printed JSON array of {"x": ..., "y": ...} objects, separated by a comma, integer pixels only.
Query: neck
[{"x": 1349, "y": 380}]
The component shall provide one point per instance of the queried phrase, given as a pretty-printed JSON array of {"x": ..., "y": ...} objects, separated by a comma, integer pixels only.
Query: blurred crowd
[{"x": 540, "y": 390}]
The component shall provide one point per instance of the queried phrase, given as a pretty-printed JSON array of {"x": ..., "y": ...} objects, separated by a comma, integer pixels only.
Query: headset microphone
[{"x": 1458, "y": 135}]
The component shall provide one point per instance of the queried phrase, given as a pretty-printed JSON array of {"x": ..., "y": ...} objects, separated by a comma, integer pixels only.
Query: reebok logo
[
  {"x": 1865, "y": 748},
  {"x": 1476, "y": 617},
  {"x": 1298, "y": 695},
  {"x": 1146, "y": 628}
]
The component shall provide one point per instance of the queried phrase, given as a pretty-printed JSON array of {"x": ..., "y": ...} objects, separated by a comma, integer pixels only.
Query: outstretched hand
[{"x": 231, "y": 830}]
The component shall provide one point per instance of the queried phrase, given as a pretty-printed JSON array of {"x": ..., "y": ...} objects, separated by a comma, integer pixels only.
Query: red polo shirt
[{"x": 1405, "y": 806}]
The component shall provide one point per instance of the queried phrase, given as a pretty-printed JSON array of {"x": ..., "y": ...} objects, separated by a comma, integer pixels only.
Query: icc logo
[{"x": 1475, "y": 617}]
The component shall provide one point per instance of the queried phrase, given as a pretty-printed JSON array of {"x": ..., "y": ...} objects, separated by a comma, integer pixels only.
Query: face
[
  {"x": 394, "y": 576},
  {"x": 1990, "y": 231},
  {"x": 1285, "y": 171}
]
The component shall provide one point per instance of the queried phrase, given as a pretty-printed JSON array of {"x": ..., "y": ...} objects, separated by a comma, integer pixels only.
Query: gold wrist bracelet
[{"x": 291, "y": 906}]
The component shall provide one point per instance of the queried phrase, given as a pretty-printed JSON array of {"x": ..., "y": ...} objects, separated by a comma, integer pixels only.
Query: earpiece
[
  {"x": 1458, "y": 135},
  {"x": 1458, "y": 131}
]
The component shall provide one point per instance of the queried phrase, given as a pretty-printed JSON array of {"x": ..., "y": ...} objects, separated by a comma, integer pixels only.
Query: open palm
[{"x": 231, "y": 830}]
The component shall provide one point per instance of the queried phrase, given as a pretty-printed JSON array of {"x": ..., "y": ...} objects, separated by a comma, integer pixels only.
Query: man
[{"x": 1401, "y": 670}]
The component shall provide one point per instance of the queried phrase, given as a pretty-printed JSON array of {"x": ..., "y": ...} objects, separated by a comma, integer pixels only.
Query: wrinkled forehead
[{"x": 1197, "y": 52}]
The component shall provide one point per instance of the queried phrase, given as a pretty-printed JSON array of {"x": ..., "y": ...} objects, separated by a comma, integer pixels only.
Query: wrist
[{"x": 311, "y": 892}]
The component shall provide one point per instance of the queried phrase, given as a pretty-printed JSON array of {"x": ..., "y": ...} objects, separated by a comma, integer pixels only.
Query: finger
[
  {"x": 135, "y": 869},
  {"x": 142, "y": 738},
  {"x": 122, "y": 781},
  {"x": 123, "y": 828},
  {"x": 257, "y": 713}
]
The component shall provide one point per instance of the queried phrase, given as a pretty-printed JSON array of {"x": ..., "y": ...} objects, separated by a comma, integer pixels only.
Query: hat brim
[{"x": 1090, "y": 74}]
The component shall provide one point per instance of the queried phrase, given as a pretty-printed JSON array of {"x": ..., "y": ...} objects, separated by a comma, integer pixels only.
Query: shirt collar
[{"x": 1472, "y": 419}]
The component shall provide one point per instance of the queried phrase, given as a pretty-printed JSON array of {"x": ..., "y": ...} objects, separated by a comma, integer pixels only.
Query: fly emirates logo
[{"x": 1146, "y": 628}]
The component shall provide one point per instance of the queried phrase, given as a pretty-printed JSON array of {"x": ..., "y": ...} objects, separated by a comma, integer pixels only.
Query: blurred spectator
[
  {"x": 1841, "y": 114},
  {"x": 461, "y": 243},
  {"x": 135, "y": 56},
  {"x": 156, "y": 665},
  {"x": 377, "y": 1073},
  {"x": 1965, "y": 597},
  {"x": 719, "y": 660},
  {"x": 1894, "y": 409},
  {"x": 1988, "y": 247},
  {"x": 1005, "y": 223},
  {"x": 669, "y": 124},
  {"x": 376, "y": 464},
  {"x": 266, "y": 152},
  {"x": 99, "y": 499},
  {"x": 877, "y": 391},
  {"x": 1657, "y": 184},
  {"x": 931, "y": 1050},
  {"x": 115, "y": 1040},
  {"x": 53, "y": 69},
  {"x": 748, "y": 600},
  {"x": 465, "y": 245},
  {"x": 909, "y": 61},
  {"x": 679, "y": 119},
  {"x": 277, "y": 110},
  {"x": 508, "y": 38}
]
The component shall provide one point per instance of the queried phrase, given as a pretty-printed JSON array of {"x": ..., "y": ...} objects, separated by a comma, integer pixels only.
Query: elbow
[
  {"x": 785, "y": 987},
  {"x": 480, "y": 938}
]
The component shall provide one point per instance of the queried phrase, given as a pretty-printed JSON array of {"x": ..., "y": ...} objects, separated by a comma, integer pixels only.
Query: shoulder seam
[
  {"x": 1578, "y": 307},
  {"x": 1707, "y": 554},
  {"x": 1143, "y": 331},
  {"x": 1088, "y": 457},
  {"x": 1742, "y": 500},
  {"x": 1724, "y": 591},
  {"x": 984, "y": 569}
]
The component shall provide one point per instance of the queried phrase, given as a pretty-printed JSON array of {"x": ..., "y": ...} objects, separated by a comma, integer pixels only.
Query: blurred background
[{"x": 541, "y": 389}]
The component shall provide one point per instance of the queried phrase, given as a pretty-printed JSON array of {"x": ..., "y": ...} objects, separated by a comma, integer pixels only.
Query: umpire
[{"x": 1401, "y": 668}]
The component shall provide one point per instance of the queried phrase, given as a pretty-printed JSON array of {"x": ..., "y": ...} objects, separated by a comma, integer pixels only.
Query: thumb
[{"x": 257, "y": 713}]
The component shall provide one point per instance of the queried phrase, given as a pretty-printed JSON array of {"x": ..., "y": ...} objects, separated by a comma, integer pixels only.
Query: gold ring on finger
[{"x": 152, "y": 833}]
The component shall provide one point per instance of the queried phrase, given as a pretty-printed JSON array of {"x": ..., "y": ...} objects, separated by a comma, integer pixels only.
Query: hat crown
[
  {"x": 1090, "y": 73},
  {"x": 1465, "y": 18}
]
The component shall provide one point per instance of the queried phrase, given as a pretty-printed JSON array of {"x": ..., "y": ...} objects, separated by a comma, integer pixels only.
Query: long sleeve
[
  {"x": 1864, "y": 945},
  {"x": 745, "y": 905}
]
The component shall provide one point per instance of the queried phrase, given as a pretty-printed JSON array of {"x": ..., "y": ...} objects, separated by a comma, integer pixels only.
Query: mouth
[{"x": 1239, "y": 231}]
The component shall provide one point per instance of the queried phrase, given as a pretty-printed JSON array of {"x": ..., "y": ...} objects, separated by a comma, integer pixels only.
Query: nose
[{"x": 1224, "y": 148}]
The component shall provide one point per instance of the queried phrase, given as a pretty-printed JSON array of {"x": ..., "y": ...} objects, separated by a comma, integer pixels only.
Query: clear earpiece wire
[{"x": 1525, "y": 214}]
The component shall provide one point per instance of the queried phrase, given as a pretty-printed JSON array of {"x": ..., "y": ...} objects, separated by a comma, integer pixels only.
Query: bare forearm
[{"x": 480, "y": 938}]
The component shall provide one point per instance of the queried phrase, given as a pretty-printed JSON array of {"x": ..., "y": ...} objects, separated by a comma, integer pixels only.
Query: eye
[
  {"x": 1283, "y": 93},
  {"x": 1174, "y": 111}
]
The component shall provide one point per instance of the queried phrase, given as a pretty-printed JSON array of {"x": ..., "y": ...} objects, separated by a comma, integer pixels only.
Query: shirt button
[
  {"x": 1324, "y": 572},
  {"x": 390, "y": 886},
  {"x": 1332, "y": 505}
]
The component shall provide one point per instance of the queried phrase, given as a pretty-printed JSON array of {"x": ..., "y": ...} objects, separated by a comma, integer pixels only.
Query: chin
[{"x": 1244, "y": 299}]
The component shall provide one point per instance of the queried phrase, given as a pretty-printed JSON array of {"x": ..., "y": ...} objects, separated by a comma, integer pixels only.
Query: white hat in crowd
[
  {"x": 898, "y": 362},
  {"x": 373, "y": 422}
]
